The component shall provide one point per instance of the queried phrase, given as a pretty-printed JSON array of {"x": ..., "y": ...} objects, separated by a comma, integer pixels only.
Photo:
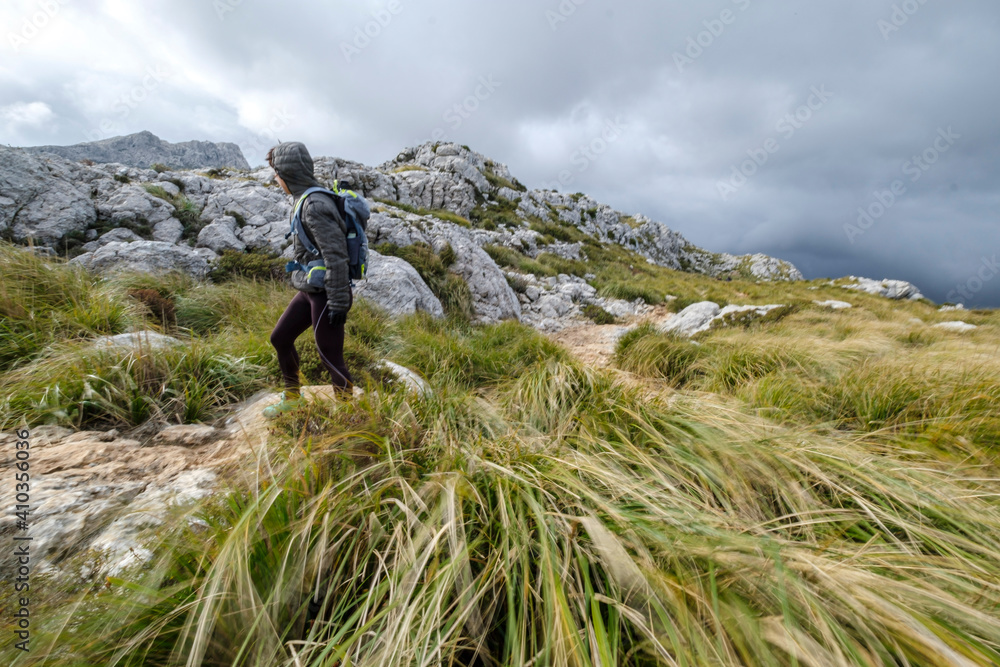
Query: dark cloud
[{"x": 695, "y": 89}]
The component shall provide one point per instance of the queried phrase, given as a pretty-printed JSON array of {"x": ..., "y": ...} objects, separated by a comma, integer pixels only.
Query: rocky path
[
  {"x": 102, "y": 493},
  {"x": 594, "y": 344}
]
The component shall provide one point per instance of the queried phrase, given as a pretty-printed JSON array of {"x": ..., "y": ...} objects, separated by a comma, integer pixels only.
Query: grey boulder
[
  {"x": 694, "y": 319},
  {"x": 38, "y": 203},
  {"x": 221, "y": 235},
  {"x": 397, "y": 287},
  {"x": 153, "y": 257}
]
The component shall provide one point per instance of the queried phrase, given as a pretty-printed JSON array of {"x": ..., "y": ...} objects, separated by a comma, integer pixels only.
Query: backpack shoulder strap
[{"x": 297, "y": 227}]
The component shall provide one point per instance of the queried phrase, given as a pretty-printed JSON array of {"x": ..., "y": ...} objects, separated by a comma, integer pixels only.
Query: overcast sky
[{"x": 747, "y": 125}]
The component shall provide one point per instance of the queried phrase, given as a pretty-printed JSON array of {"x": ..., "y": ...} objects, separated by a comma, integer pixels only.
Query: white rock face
[
  {"x": 834, "y": 305},
  {"x": 694, "y": 319},
  {"x": 890, "y": 289},
  {"x": 221, "y": 235},
  {"x": 396, "y": 286},
  {"x": 36, "y": 203},
  {"x": 555, "y": 304},
  {"x": 958, "y": 327},
  {"x": 492, "y": 298},
  {"x": 144, "y": 149},
  {"x": 701, "y": 316},
  {"x": 145, "y": 257},
  {"x": 132, "y": 203},
  {"x": 246, "y": 210},
  {"x": 407, "y": 377},
  {"x": 946, "y": 309},
  {"x": 119, "y": 235},
  {"x": 168, "y": 231},
  {"x": 258, "y": 204},
  {"x": 148, "y": 340}
]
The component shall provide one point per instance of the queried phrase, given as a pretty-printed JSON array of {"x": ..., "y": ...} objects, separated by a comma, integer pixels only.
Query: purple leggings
[{"x": 310, "y": 310}]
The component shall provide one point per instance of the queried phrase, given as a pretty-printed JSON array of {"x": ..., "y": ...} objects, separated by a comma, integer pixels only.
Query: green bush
[
  {"x": 491, "y": 216},
  {"x": 631, "y": 292},
  {"x": 558, "y": 230},
  {"x": 659, "y": 355},
  {"x": 478, "y": 357},
  {"x": 251, "y": 265},
  {"x": 44, "y": 301},
  {"x": 598, "y": 315}
]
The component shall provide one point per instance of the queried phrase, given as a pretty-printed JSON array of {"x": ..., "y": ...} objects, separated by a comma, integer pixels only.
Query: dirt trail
[{"x": 594, "y": 344}]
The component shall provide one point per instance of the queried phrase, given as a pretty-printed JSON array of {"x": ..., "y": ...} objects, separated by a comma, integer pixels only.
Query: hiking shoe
[{"x": 288, "y": 403}]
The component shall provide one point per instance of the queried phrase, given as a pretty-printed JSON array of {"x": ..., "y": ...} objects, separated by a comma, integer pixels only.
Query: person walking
[{"x": 324, "y": 309}]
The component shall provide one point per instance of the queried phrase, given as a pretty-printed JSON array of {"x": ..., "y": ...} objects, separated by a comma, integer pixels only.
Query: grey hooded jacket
[{"x": 322, "y": 222}]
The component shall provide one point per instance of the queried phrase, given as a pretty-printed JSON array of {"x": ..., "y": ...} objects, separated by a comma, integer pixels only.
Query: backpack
[{"x": 355, "y": 212}]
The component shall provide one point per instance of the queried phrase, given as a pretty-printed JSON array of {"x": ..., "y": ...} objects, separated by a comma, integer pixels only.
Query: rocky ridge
[
  {"x": 112, "y": 216},
  {"x": 144, "y": 149}
]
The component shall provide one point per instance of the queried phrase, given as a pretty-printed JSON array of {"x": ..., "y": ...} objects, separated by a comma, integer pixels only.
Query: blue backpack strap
[{"x": 297, "y": 227}]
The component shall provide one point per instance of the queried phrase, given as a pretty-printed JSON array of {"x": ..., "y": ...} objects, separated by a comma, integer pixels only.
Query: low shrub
[
  {"x": 598, "y": 315},
  {"x": 250, "y": 265}
]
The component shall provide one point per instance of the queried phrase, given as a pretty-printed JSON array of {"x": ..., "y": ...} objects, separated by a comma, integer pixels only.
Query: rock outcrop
[
  {"x": 37, "y": 203},
  {"x": 154, "y": 257},
  {"x": 144, "y": 149},
  {"x": 397, "y": 287},
  {"x": 125, "y": 217},
  {"x": 890, "y": 289},
  {"x": 704, "y": 315}
]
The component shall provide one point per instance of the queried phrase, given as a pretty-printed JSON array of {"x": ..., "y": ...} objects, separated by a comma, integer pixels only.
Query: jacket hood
[{"x": 295, "y": 166}]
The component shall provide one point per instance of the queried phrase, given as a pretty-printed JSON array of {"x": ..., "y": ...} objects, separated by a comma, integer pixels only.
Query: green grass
[
  {"x": 562, "y": 519},
  {"x": 816, "y": 489},
  {"x": 489, "y": 216}
]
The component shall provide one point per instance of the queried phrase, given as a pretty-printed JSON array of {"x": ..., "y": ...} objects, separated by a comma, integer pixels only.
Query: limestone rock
[
  {"x": 252, "y": 201},
  {"x": 168, "y": 231},
  {"x": 834, "y": 305},
  {"x": 396, "y": 286},
  {"x": 221, "y": 235},
  {"x": 148, "y": 340},
  {"x": 694, "y": 319},
  {"x": 144, "y": 149},
  {"x": 151, "y": 257},
  {"x": 890, "y": 289},
  {"x": 407, "y": 377},
  {"x": 118, "y": 235},
  {"x": 957, "y": 327},
  {"x": 39, "y": 203},
  {"x": 186, "y": 435},
  {"x": 132, "y": 203}
]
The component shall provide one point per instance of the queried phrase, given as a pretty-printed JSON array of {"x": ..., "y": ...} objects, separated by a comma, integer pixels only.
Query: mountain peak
[{"x": 144, "y": 149}]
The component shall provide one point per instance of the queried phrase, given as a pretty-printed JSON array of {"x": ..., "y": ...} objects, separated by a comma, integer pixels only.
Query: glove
[{"x": 337, "y": 317}]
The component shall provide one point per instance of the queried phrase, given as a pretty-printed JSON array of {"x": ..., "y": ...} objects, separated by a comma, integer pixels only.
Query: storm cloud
[{"x": 847, "y": 136}]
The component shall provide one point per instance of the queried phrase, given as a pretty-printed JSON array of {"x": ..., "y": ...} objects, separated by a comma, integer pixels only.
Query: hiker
[{"x": 322, "y": 308}]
